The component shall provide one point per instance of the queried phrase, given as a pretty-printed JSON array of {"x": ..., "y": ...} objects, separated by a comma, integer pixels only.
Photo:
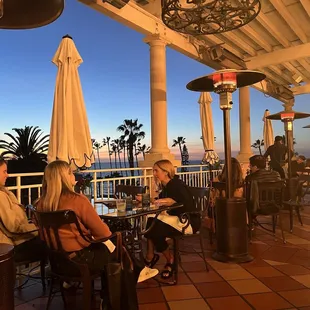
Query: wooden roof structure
[{"x": 276, "y": 43}]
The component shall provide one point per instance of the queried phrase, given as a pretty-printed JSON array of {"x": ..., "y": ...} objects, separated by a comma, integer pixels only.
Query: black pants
[
  {"x": 96, "y": 256},
  {"x": 277, "y": 167},
  {"x": 31, "y": 250},
  {"x": 159, "y": 232}
]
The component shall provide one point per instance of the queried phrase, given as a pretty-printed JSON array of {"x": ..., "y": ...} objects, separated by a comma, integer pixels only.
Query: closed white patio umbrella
[
  {"x": 267, "y": 131},
  {"x": 69, "y": 134},
  {"x": 207, "y": 130}
]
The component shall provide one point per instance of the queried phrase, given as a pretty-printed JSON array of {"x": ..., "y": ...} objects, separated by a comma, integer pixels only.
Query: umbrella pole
[{"x": 211, "y": 173}]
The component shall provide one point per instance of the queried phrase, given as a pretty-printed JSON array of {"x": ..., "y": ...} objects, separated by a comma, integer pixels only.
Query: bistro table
[
  {"x": 7, "y": 276},
  {"x": 135, "y": 216}
]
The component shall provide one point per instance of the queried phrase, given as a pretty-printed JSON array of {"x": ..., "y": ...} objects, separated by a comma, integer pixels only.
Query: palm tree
[
  {"x": 123, "y": 146},
  {"x": 97, "y": 146},
  {"x": 179, "y": 141},
  {"x": 117, "y": 142},
  {"x": 258, "y": 145},
  {"x": 29, "y": 144},
  {"x": 106, "y": 141},
  {"x": 143, "y": 149},
  {"x": 131, "y": 133},
  {"x": 114, "y": 149}
]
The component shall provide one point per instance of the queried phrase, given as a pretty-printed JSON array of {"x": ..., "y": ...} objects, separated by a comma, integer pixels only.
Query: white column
[
  {"x": 245, "y": 125},
  {"x": 158, "y": 90}
]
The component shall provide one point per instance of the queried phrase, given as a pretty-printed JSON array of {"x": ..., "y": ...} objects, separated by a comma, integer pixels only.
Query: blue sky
[{"x": 115, "y": 82}]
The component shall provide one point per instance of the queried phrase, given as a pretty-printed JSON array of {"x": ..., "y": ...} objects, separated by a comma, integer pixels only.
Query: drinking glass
[{"x": 121, "y": 205}]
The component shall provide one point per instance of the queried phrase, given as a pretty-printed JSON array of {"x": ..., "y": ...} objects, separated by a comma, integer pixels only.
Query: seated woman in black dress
[{"x": 168, "y": 224}]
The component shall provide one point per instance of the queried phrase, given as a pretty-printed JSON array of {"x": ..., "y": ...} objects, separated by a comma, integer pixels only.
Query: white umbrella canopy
[
  {"x": 267, "y": 131},
  {"x": 207, "y": 130},
  {"x": 69, "y": 134}
]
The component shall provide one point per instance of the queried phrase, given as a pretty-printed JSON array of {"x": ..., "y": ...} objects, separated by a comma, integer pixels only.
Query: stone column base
[{"x": 151, "y": 158}]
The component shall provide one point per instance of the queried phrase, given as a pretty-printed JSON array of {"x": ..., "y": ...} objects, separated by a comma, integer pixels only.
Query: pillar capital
[{"x": 156, "y": 39}]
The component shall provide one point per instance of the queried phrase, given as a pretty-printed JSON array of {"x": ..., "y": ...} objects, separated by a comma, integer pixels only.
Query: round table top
[{"x": 6, "y": 250}]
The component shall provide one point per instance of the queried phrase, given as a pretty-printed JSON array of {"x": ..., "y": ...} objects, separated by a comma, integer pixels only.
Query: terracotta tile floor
[{"x": 278, "y": 278}]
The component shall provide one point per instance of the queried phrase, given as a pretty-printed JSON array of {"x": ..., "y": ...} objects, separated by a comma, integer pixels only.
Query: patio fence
[{"x": 103, "y": 184}]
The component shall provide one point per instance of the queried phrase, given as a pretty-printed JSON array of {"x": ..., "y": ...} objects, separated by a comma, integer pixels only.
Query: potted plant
[{"x": 84, "y": 183}]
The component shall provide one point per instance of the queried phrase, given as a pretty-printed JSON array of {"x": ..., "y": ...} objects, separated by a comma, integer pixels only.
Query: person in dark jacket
[
  {"x": 277, "y": 153},
  {"x": 259, "y": 174},
  {"x": 168, "y": 224},
  {"x": 298, "y": 165}
]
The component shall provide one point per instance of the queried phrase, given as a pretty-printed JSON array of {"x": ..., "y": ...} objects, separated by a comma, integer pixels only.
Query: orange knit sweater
[{"x": 89, "y": 220}]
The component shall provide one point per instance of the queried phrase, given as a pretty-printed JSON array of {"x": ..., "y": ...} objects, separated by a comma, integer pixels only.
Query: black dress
[{"x": 180, "y": 193}]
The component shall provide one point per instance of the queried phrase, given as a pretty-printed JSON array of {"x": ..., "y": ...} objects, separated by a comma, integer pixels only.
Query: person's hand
[{"x": 162, "y": 202}]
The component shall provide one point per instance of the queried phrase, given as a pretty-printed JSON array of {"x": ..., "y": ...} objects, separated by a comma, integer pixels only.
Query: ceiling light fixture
[{"x": 203, "y": 17}]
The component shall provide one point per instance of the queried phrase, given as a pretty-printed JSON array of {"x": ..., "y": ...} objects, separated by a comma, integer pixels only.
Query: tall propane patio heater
[
  {"x": 231, "y": 224},
  {"x": 287, "y": 117}
]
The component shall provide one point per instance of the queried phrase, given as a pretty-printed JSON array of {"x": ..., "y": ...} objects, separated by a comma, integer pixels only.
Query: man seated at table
[
  {"x": 259, "y": 174},
  {"x": 298, "y": 165}
]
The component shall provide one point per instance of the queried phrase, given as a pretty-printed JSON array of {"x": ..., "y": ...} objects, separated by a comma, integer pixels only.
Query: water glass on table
[{"x": 121, "y": 205}]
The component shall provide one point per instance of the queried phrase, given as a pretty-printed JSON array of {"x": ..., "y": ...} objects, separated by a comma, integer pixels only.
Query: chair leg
[
  {"x": 176, "y": 254},
  {"x": 297, "y": 208},
  {"x": 203, "y": 251},
  {"x": 281, "y": 227},
  {"x": 62, "y": 292},
  {"x": 291, "y": 218},
  {"x": 42, "y": 271},
  {"x": 211, "y": 236},
  {"x": 50, "y": 295},
  {"x": 87, "y": 294}
]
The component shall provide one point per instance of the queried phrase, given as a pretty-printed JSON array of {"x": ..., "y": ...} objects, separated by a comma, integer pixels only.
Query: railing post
[
  {"x": 19, "y": 191},
  {"x": 95, "y": 186},
  {"x": 201, "y": 178}
]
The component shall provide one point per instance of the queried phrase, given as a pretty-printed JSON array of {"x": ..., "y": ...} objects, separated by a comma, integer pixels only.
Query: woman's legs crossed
[{"x": 157, "y": 238}]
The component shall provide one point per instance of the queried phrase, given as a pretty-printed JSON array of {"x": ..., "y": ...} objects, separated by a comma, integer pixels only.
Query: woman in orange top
[{"x": 58, "y": 194}]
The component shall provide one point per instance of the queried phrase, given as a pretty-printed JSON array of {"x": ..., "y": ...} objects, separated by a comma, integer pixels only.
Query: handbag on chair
[{"x": 121, "y": 279}]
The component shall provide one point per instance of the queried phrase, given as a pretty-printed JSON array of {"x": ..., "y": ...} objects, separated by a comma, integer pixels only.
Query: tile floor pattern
[{"x": 278, "y": 278}]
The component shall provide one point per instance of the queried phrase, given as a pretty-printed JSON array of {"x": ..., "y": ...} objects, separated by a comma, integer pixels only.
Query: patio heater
[
  {"x": 288, "y": 117},
  {"x": 27, "y": 14},
  {"x": 231, "y": 225}
]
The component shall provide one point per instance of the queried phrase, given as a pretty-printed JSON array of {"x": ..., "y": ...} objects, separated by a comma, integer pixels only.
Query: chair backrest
[
  {"x": 201, "y": 198},
  {"x": 122, "y": 190},
  {"x": 270, "y": 193},
  {"x": 304, "y": 184},
  {"x": 51, "y": 222}
]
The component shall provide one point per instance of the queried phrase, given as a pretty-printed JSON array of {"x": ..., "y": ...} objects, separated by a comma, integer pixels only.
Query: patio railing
[{"x": 103, "y": 185}]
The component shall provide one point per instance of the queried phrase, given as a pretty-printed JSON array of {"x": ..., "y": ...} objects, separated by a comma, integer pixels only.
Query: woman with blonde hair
[
  {"x": 15, "y": 228},
  {"x": 58, "y": 194},
  {"x": 168, "y": 224}
]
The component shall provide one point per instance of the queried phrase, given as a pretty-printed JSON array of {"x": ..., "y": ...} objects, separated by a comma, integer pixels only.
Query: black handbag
[{"x": 121, "y": 277}]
